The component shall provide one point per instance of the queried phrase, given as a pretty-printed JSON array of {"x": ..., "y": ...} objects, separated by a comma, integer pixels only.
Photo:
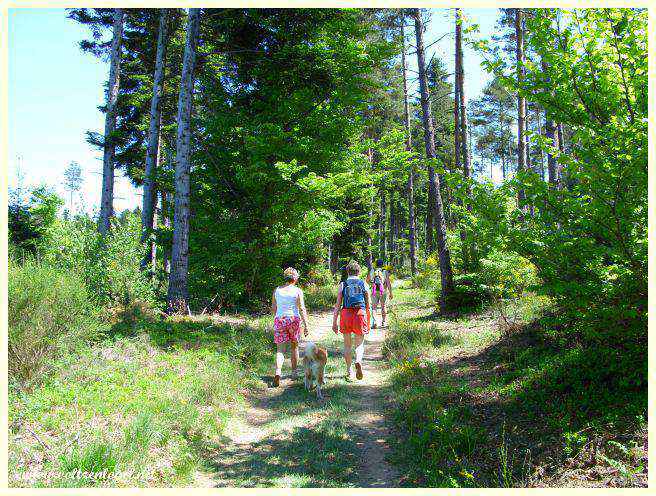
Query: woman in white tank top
[{"x": 288, "y": 308}]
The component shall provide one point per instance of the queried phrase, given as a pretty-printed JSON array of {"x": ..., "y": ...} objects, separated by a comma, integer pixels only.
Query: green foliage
[
  {"x": 30, "y": 222},
  {"x": 50, "y": 314},
  {"x": 109, "y": 266}
]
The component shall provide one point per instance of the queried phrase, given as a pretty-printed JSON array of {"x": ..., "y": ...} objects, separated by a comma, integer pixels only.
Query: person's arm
[
  {"x": 300, "y": 304},
  {"x": 274, "y": 305},
  {"x": 388, "y": 283},
  {"x": 338, "y": 305},
  {"x": 368, "y": 278}
]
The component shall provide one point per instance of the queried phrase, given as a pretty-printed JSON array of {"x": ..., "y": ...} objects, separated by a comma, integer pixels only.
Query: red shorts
[
  {"x": 286, "y": 329},
  {"x": 353, "y": 320}
]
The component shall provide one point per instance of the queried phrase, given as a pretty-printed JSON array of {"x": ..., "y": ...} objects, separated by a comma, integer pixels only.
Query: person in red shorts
[{"x": 353, "y": 307}]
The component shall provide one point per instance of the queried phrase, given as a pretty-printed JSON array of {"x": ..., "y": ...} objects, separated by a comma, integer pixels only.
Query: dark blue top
[{"x": 353, "y": 293}]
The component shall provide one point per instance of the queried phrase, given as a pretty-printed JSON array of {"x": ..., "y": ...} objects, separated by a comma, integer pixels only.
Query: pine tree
[
  {"x": 446, "y": 273},
  {"x": 178, "y": 294},
  {"x": 107, "y": 196}
]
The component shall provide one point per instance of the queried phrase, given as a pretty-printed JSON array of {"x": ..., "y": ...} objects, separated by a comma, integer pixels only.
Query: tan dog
[{"x": 314, "y": 361}]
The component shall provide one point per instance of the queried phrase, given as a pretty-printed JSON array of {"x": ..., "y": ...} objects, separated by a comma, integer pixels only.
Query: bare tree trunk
[
  {"x": 166, "y": 221},
  {"x": 446, "y": 273},
  {"x": 178, "y": 294},
  {"x": 412, "y": 233},
  {"x": 391, "y": 241},
  {"x": 538, "y": 121},
  {"x": 430, "y": 225},
  {"x": 333, "y": 256},
  {"x": 150, "y": 172},
  {"x": 521, "y": 101},
  {"x": 107, "y": 197},
  {"x": 383, "y": 227},
  {"x": 466, "y": 159}
]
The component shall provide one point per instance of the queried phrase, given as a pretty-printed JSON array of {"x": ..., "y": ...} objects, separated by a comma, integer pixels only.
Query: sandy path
[{"x": 266, "y": 425}]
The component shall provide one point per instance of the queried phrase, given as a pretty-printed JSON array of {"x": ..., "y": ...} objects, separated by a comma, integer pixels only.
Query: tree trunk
[
  {"x": 446, "y": 273},
  {"x": 538, "y": 121},
  {"x": 521, "y": 101},
  {"x": 464, "y": 147},
  {"x": 430, "y": 225},
  {"x": 178, "y": 294},
  {"x": 383, "y": 227},
  {"x": 412, "y": 233},
  {"x": 391, "y": 240},
  {"x": 150, "y": 172},
  {"x": 107, "y": 197},
  {"x": 333, "y": 257},
  {"x": 166, "y": 221}
]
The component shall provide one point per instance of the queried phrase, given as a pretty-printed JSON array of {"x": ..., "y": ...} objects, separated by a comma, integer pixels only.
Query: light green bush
[
  {"x": 109, "y": 266},
  {"x": 49, "y": 313}
]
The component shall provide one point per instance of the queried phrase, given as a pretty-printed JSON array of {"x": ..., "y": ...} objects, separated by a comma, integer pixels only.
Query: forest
[{"x": 516, "y": 353}]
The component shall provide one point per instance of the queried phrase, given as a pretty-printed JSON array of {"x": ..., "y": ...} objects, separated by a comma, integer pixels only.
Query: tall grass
[{"x": 49, "y": 315}]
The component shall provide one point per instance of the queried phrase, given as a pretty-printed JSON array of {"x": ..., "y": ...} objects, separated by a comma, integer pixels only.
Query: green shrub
[
  {"x": 110, "y": 267},
  {"x": 320, "y": 297},
  {"x": 49, "y": 314},
  {"x": 507, "y": 274}
]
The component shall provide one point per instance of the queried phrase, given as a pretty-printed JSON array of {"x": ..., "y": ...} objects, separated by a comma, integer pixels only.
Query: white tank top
[{"x": 286, "y": 297}]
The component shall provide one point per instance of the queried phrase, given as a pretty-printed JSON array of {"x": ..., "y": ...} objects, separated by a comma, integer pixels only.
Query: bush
[
  {"x": 49, "y": 314},
  {"x": 507, "y": 274},
  {"x": 110, "y": 267}
]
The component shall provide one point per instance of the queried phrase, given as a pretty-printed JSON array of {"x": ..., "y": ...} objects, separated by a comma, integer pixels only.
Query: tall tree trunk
[
  {"x": 109, "y": 149},
  {"x": 521, "y": 101},
  {"x": 166, "y": 221},
  {"x": 466, "y": 159},
  {"x": 464, "y": 147},
  {"x": 446, "y": 273},
  {"x": 370, "y": 155},
  {"x": 150, "y": 172},
  {"x": 412, "y": 233},
  {"x": 383, "y": 227},
  {"x": 538, "y": 121},
  {"x": 178, "y": 294},
  {"x": 430, "y": 225},
  {"x": 333, "y": 256},
  {"x": 391, "y": 240}
]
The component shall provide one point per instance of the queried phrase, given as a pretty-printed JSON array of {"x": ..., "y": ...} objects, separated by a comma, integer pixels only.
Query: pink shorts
[{"x": 286, "y": 329}]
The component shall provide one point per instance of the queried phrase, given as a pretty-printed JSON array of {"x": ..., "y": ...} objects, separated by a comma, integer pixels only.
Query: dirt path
[{"x": 288, "y": 439}]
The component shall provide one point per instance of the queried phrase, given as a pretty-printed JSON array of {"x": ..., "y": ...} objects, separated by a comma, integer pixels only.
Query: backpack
[
  {"x": 353, "y": 293},
  {"x": 378, "y": 281}
]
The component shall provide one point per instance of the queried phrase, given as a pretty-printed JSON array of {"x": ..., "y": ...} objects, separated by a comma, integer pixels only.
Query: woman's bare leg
[
  {"x": 347, "y": 352},
  {"x": 294, "y": 357},
  {"x": 280, "y": 357}
]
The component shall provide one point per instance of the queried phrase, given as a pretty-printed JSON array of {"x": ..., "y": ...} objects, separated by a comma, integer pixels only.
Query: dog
[{"x": 314, "y": 361}]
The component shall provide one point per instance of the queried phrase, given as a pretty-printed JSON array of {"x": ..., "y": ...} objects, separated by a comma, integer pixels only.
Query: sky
[{"x": 55, "y": 90}]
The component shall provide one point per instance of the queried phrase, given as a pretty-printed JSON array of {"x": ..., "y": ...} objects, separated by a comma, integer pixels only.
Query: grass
[
  {"x": 129, "y": 410},
  {"x": 479, "y": 408}
]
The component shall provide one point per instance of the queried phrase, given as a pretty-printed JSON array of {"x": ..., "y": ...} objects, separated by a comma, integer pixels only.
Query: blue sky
[{"x": 55, "y": 89}]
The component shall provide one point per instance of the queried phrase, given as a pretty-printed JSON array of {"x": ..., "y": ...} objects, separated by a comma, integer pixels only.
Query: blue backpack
[{"x": 353, "y": 293}]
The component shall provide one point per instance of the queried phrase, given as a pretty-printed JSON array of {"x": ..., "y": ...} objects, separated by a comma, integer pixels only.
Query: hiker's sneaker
[
  {"x": 358, "y": 370},
  {"x": 383, "y": 324},
  {"x": 276, "y": 381},
  {"x": 374, "y": 325}
]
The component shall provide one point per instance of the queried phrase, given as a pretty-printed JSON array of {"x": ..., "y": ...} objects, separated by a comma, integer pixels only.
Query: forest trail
[{"x": 286, "y": 437}]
